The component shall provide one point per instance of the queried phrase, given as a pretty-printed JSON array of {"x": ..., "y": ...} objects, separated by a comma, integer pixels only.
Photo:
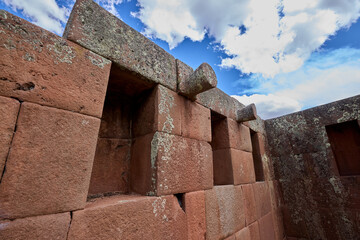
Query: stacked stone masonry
[{"x": 103, "y": 135}]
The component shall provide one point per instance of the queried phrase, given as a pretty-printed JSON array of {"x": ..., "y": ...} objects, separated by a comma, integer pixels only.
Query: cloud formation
[
  {"x": 46, "y": 14},
  {"x": 326, "y": 77},
  {"x": 265, "y": 37}
]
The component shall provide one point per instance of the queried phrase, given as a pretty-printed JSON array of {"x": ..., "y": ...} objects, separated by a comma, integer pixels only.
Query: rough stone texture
[
  {"x": 232, "y": 166},
  {"x": 167, "y": 164},
  {"x": 130, "y": 217},
  {"x": 160, "y": 111},
  {"x": 183, "y": 71},
  {"x": 195, "y": 215},
  {"x": 243, "y": 234},
  {"x": 262, "y": 198},
  {"x": 224, "y": 211},
  {"x": 9, "y": 109},
  {"x": 306, "y": 168},
  {"x": 110, "y": 171},
  {"x": 251, "y": 214},
  {"x": 246, "y": 114},
  {"x": 278, "y": 224},
  {"x": 54, "y": 72},
  {"x": 40, "y": 227},
  {"x": 227, "y": 133},
  {"x": 49, "y": 166},
  {"x": 254, "y": 231},
  {"x": 195, "y": 121},
  {"x": 266, "y": 227},
  {"x": 219, "y": 102},
  {"x": 201, "y": 80},
  {"x": 94, "y": 28}
]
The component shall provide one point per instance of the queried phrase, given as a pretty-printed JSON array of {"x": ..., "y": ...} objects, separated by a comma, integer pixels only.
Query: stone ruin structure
[{"x": 104, "y": 135}]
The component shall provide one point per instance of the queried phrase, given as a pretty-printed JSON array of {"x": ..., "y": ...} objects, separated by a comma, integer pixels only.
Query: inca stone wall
[
  {"x": 104, "y": 135},
  {"x": 318, "y": 201}
]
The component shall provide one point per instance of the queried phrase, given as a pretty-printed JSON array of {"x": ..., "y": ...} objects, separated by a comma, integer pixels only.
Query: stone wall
[
  {"x": 316, "y": 156},
  {"x": 98, "y": 141}
]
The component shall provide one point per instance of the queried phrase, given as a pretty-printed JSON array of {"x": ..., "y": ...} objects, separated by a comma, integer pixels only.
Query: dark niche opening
[
  {"x": 256, "y": 152},
  {"x": 344, "y": 139}
]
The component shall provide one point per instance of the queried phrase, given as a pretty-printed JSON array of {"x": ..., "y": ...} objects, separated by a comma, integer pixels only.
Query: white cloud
[
  {"x": 324, "y": 78},
  {"x": 272, "y": 43},
  {"x": 110, "y": 6},
  {"x": 47, "y": 14}
]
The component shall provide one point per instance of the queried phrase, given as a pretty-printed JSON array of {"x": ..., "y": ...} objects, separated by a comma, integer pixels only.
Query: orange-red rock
[
  {"x": 195, "y": 215},
  {"x": 266, "y": 227},
  {"x": 159, "y": 111},
  {"x": 262, "y": 198},
  {"x": 164, "y": 164},
  {"x": 250, "y": 204},
  {"x": 254, "y": 231},
  {"x": 39, "y": 227},
  {"x": 54, "y": 72},
  {"x": 225, "y": 212},
  {"x": 232, "y": 166},
  {"x": 228, "y": 133},
  {"x": 110, "y": 171},
  {"x": 243, "y": 234},
  {"x": 195, "y": 121},
  {"x": 49, "y": 166},
  {"x": 130, "y": 217},
  {"x": 9, "y": 109}
]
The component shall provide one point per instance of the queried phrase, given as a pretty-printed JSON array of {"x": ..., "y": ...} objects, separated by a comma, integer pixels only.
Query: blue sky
[{"x": 284, "y": 55}]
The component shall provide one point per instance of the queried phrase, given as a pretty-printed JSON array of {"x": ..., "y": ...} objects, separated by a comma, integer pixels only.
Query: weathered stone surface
[
  {"x": 183, "y": 71},
  {"x": 262, "y": 198},
  {"x": 195, "y": 215},
  {"x": 160, "y": 111},
  {"x": 94, "y": 28},
  {"x": 223, "y": 167},
  {"x": 9, "y": 109},
  {"x": 251, "y": 214},
  {"x": 111, "y": 167},
  {"x": 40, "y": 227},
  {"x": 49, "y": 166},
  {"x": 54, "y": 71},
  {"x": 243, "y": 234},
  {"x": 278, "y": 224},
  {"x": 195, "y": 121},
  {"x": 243, "y": 166},
  {"x": 167, "y": 164},
  {"x": 254, "y": 231},
  {"x": 224, "y": 211},
  {"x": 266, "y": 227},
  {"x": 309, "y": 178},
  {"x": 246, "y": 114},
  {"x": 130, "y": 217},
  {"x": 201, "y": 80},
  {"x": 219, "y": 102},
  {"x": 227, "y": 133}
]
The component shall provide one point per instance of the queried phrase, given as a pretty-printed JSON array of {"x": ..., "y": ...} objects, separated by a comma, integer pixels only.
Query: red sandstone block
[
  {"x": 160, "y": 111},
  {"x": 195, "y": 121},
  {"x": 9, "y": 109},
  {"x": 232, "y": 237},
  {"x": 254, "y": 231},
  {"x": 40, "y": 227},
  {"x": 228, "y": 133},
  {"x": 225, "y": 214},
  {"x": 111, "y": 166},
  {"x": 130, "y": 217},
  {"x": 195, "y": 215},
  {"x": 233, "y": 166},
  {"x": 167, "y": 164},
  {"x": 266, "y": 227},
  {"x": 243, "y": 234},
  {"x": 262, "y": 198},
  {"x": 49, "y": 165},
  {"x": 278, "y": 224},
  {"x": 274, "y": 194},
  {"x": 250, "y": 204},
  {"x": 40, "y": 67}
]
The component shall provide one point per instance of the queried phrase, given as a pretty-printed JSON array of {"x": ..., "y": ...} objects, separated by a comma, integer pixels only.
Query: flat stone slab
[{"x": 94, "y": 28}]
